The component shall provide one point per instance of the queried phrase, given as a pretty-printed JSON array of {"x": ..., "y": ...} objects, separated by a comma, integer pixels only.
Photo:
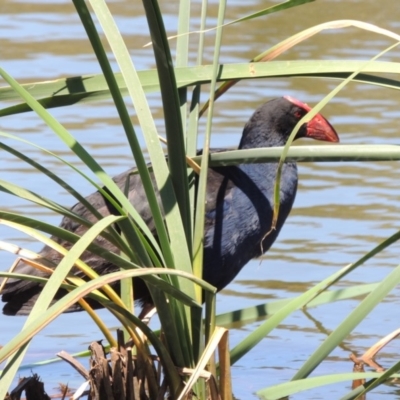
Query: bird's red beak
[{"x": 318, "y": 128}]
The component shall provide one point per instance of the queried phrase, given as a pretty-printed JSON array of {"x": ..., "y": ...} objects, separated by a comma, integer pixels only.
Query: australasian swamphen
[{"x": 238, "y": 212}]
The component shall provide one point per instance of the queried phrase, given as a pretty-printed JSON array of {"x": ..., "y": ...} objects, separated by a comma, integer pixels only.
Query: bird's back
[{"x": 239, "y": 216}]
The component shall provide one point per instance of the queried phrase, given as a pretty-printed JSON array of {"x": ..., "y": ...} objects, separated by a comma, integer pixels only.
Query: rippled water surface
[{"x": 342, "y": 210}]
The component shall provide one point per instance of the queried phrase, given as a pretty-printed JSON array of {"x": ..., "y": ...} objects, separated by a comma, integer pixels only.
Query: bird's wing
[
  {"x": 219, "y": 194},
  {"x": 103, "y": 206}
]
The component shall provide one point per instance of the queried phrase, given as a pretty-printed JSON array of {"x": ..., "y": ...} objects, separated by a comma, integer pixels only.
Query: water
[{"x": 341, "y": 210}]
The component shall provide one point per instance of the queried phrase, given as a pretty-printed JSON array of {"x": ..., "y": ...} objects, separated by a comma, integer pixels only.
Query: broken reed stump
[
  {"x": 119, "y": 375},
  {"x": 33, "y": 388},
  {"x": 115, "y": 378}
]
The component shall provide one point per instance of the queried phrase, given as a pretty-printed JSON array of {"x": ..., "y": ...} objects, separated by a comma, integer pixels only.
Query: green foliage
[{"x": 172, "y": 266}]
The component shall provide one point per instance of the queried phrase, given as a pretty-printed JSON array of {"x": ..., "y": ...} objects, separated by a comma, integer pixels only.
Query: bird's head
[{"x": 273, "y": 122}]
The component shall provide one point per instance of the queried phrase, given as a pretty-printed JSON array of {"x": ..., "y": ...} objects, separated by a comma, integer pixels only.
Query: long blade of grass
[
  {"x": 263, "y": 311},
  {"x": 56, "y": 93},
  {"x": 153, "y": 279},
  {"x": 71, "y": 142},
  {"x": 177, "y": 165},
  {"x": 258, "y": 334},
  {"x": 130, "y": 233},
  {"x": 372, "y": 384},
  {"x": 114, "y": 237},
  {"x": 202, "y": 184},
  {"x": 269, "y": 10},
  {"x": 250, "y": 314},
  {"x": 305, "y": 299},
  {"x": 41, "y": 168},
  {"x": 83, "y": 241},
  {"x": 143, "y": 273},
  {"x": 288, "y": 43},
  {"x": 173, "y": 250},
  {"x": 45, "y": 318},
  {"x": 321, "y": 153},
  {"x": 389, "y": 373},
  {"x": 46, "y": 297},
  {"x": 191, "y": 148},
  {"x": 172, "y": 115},
  {"x": 182, "y": 57},
  {"x": 286, "y": 389},
  {"x": 201, "y": 365},
  {"x": 175, "y": 229},
  {"x": 349, "y": 323},
  {"x": 86, "y": 290},
  {"x": 15, "y": 190},
  {"x": 22, "y": 193}
]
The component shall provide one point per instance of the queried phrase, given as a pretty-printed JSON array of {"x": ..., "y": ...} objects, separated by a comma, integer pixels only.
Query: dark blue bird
[{"x": 238, "y": 213}]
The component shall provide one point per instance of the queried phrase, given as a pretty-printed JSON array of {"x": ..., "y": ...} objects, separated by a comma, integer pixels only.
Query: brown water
[{"x": 341, "y": 210}]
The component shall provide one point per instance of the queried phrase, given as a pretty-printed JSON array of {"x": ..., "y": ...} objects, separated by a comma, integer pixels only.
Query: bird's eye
[{"x": 298, "y": 114}]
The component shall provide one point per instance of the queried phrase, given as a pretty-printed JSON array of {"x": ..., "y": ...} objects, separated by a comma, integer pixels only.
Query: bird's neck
[
  {"x": 256, "y": 137},
  {"x": 263, "y": 175}
]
